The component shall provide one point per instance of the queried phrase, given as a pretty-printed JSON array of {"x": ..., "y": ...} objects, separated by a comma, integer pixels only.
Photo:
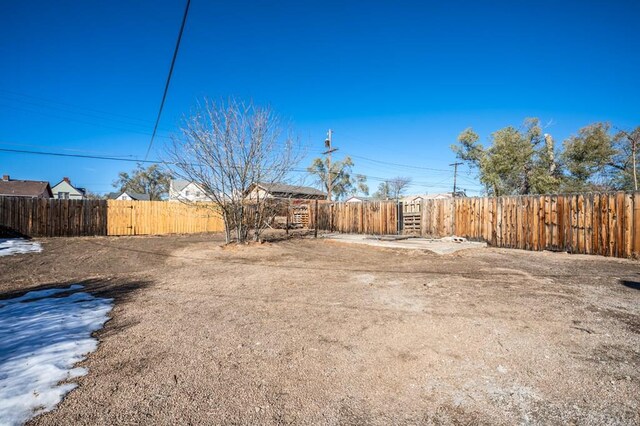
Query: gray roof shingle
[
  {"x": 282, "y": 188},
  {"x": 25, "y": 188},
  {"x": 178, "y": 184},
  {"x": 138, "y": 196},
  {"x": 134, "y": 195}
]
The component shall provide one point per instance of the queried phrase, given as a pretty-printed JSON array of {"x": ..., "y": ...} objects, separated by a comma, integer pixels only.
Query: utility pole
[
  {"x": 455, "y": 176},
  {"x": 329, "y": 150}
]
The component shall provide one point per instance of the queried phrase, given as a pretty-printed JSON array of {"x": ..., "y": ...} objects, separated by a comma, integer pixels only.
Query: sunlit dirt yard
[{"x": 305, "y": 331}]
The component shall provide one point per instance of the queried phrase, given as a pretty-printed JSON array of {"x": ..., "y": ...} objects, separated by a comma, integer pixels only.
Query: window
[{"x": 63, "y": 195}]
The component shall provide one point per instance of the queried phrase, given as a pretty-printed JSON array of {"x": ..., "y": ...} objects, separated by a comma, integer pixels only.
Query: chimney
[
  {"x": 5, "y": 178},
  {"x": 66, "y": 179}
]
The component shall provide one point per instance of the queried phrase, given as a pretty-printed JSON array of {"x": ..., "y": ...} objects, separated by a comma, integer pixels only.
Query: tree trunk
[
  {"x": 241, "y": 224},
  {"x": 256, "y": 220},
  {"x": 227, "y": 227}
]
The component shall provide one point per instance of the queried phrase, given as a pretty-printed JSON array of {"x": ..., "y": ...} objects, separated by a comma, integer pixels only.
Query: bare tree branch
[{"x": 225, "y": 148}]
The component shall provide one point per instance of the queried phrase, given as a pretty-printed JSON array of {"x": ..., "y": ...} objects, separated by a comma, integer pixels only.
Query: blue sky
[{"x": 397, "y": 81}]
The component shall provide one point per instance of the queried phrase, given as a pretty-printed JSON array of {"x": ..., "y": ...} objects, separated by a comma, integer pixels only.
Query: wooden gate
[
  {"x": 411, "y": 217},
  {"x": 300, "y": 216}
]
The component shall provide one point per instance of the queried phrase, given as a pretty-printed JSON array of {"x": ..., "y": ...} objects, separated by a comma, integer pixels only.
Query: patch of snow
[
  {"x": 43, "y": 334},
  {"x": 9, "y": 246}
]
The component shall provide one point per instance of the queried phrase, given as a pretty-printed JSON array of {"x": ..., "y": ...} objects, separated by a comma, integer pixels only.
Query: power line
[
  {"x": 73, "y": 106},
  {"x": 67, "y": 149},
  {"x": 166, "y": 86},
  {"x": 67, "y": 111},
  {"x": 394, "y": 164},
  {"x": 48, "y": 105},
  {"x": 400, "y": 165},
  {"x": 133, "y": 160},
  {"x": 94, "y": 157},
  {"x": 48, "y": 114},
  {"x": 80, "y": 121}
]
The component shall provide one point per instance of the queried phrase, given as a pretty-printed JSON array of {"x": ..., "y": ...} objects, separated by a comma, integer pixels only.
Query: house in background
[
  {"x": 360, "y": 199},
  {"x": 24, "y": 188},
  {"x": 413, "y": 203},
  {"x": 281, "y": 190},
  {"x": 422, "y": 197},
  {"x": 65, "y": 191},
  {"x": 128, "y": 196},
  {"x": 183, "y": 190}
]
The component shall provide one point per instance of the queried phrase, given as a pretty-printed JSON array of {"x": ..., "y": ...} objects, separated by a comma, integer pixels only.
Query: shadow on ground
[
  {"x": 6, "y": 232},
  {"x": 631, "y": 284},
  {"x": 119, "y": 289}
]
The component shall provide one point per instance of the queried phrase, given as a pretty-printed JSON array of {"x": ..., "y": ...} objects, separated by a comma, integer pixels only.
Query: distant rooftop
[
  {"x": 281, "y": 188},
  {"x": 134, "y": 195},
  {"x": 178, "y": 185},
  {"x": 24, "y": 188}
]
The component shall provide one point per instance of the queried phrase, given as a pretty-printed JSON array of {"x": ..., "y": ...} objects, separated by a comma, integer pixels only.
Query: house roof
[
  {"x": 25, "y": 188},
  {"x": 137, "y": 196},
  {"x": 134, "y": 195},
  {"x": 362, "y": 198},
  {"x": 281, "y": 188},
  {"x": 178, "y": 184},
  {"x": 411, "y": 198}
]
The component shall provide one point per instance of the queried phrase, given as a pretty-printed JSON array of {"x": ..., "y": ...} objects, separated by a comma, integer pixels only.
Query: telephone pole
[
  {"x": 329, "y": 150},
  {"x": 455, "y": 176}
]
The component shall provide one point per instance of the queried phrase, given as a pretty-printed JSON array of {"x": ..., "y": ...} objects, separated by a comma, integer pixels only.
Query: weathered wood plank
[{"x": 636, "y": 225}]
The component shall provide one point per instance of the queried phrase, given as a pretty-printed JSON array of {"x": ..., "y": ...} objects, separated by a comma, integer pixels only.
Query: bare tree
[
  {"x": 228, "y": 147},
  {"x": 397, "y": 185}
]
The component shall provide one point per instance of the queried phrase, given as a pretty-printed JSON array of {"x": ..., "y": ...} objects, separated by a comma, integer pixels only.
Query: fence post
[
  {"x": 287, "y": 217},
  {"x": 315, "y": 221},
  {"x": 331, "y": 217}
]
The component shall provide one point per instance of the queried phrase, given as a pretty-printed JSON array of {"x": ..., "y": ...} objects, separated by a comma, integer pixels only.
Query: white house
[
  {"x": 64, "y": 190},
  {"x": 183, "y": 190}
]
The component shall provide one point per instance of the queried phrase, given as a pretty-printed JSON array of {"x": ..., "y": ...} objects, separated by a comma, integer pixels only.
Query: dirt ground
[{"x": 309, "y": 331}]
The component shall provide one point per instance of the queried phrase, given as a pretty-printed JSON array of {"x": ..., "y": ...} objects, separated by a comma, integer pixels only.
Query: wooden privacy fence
[
  {"x": 377, "y": 217},
  {"x": 48, "y": 217},
  {"x": 437, "y": 217},
  {"x": 161, "y": 217},
  {"x": 607, "y": 224}
]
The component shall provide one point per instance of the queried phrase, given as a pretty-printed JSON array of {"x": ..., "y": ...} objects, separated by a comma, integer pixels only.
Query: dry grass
[{"x": 303, "y": 331}]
